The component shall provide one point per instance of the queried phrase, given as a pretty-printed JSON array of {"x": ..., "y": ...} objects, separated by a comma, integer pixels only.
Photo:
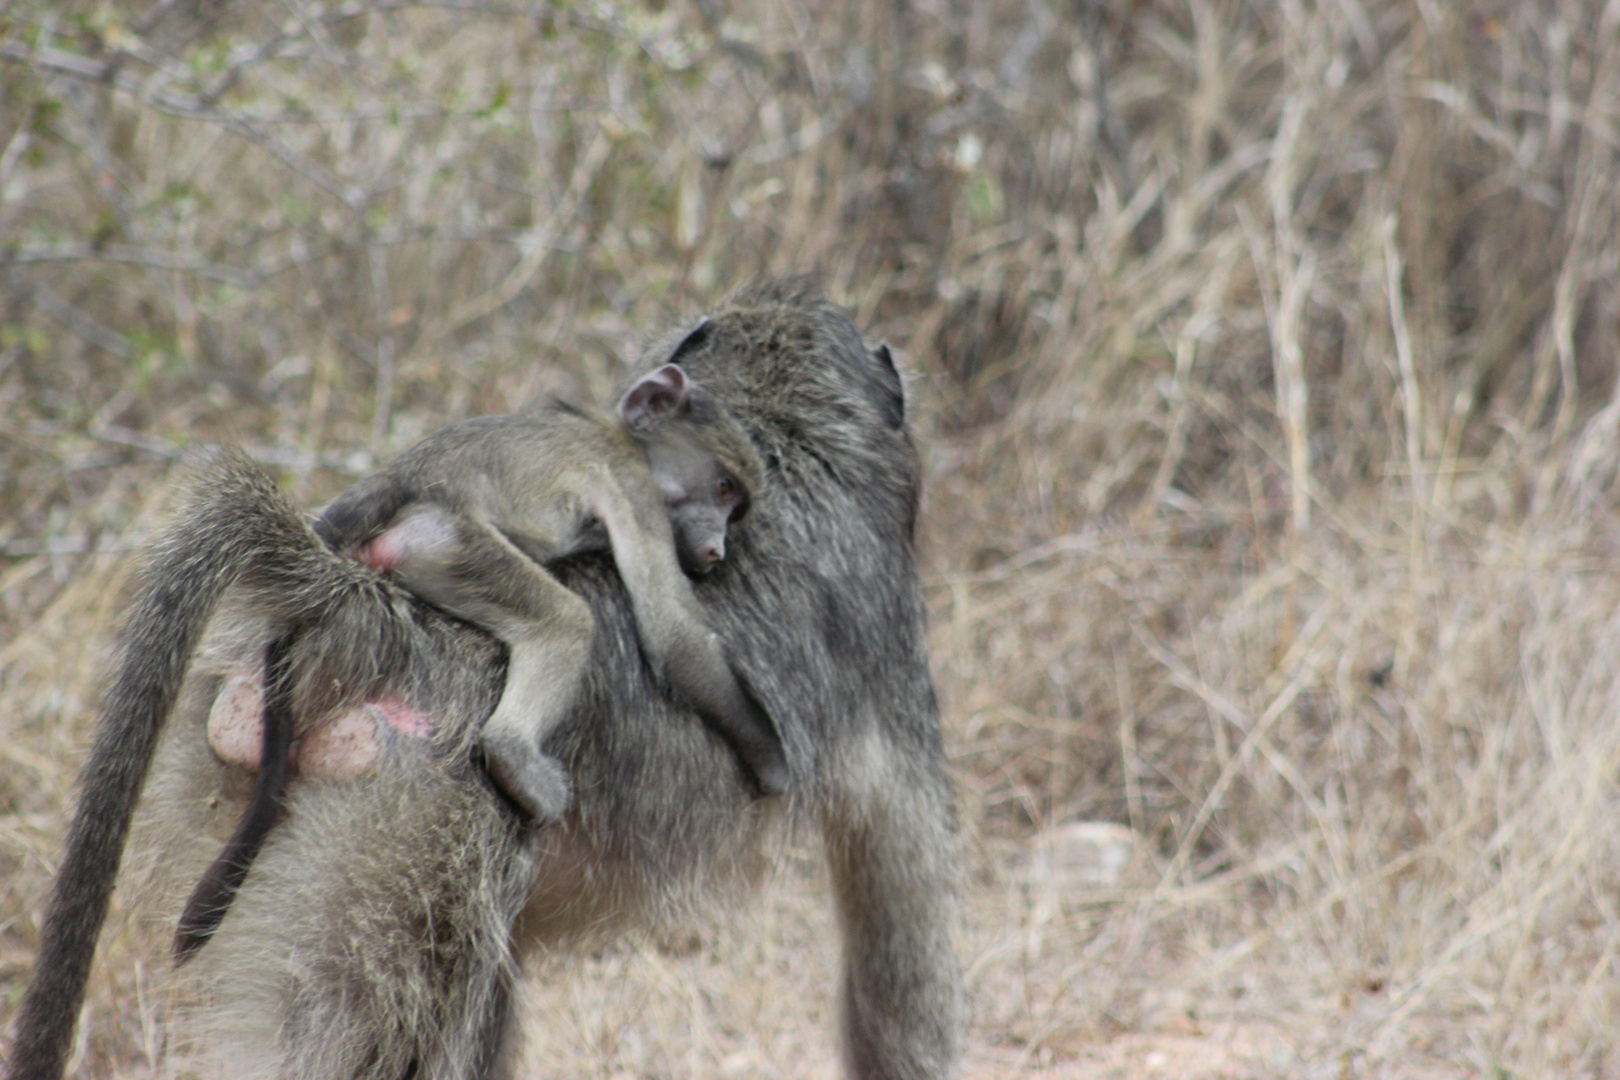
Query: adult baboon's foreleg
[{"x": 891, "y": 849}]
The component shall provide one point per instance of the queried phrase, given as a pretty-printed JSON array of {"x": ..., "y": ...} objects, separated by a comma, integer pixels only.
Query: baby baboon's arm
[{"x": 682, "y": 647}]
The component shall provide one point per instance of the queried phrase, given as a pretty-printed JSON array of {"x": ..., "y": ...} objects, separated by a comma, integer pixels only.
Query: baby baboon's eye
[{"x": 726, "y": 489}]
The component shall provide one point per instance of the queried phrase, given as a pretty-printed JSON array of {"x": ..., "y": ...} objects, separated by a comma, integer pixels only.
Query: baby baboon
[
  {"x": 467, "y": 518},
  {"x": 418, "y": 884}
]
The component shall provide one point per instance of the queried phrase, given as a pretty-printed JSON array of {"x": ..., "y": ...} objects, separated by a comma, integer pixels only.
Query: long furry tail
[{"x": 237, "y": 525}]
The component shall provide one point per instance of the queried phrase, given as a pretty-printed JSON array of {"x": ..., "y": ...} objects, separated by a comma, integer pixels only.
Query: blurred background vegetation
[{"x": 1265, "y": 366}]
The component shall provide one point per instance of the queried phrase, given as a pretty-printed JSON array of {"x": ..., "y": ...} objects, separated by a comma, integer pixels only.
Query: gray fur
[
  {"x": 240, "y": 538},
  {"x": 484, "y": 504},
  {"x": 819, "y": 608},
  {"x": 467, "y": 518}
]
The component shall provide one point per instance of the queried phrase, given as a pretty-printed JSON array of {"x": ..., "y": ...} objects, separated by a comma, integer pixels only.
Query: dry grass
[{"x": 1266, "y": 367}]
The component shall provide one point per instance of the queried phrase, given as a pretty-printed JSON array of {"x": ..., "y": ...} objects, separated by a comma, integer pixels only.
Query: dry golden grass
[{"x": 1266, "y": 370}]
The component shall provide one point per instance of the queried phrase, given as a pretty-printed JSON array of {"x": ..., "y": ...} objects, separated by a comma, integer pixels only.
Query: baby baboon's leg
[
  {"x": 887, "y": 820},
  {"x": 543, "y": 676},
  {"x": 472, "y": 571}
]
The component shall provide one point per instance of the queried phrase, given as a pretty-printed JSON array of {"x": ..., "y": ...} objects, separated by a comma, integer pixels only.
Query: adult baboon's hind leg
[{"x": 891, "y": 849}]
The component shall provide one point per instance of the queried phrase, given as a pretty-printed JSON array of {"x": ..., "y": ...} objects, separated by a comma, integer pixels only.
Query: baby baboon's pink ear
[
  {"x": 654, "y": 398},
  {"x": 660, "y": 395}
]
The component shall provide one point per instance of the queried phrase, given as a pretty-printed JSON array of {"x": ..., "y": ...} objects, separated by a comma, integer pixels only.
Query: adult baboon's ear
[
  {"x": 654, "y": 398},
  {"x": 893, "y": 404},
  {"x": 693, "y": 340},
  {"x": 885, "y": 356}
]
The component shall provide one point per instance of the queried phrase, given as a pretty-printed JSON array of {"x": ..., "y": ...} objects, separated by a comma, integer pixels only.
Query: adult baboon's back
[{"x": 818, "y": 605}]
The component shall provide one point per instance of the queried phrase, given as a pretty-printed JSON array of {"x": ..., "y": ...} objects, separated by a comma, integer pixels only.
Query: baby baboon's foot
[
  {"x": 771, "y": 774},
  {"x": 535, "y": 782}
]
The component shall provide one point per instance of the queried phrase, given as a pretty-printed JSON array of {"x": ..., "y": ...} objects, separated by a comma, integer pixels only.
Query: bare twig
[
  {"x": 124, "y": 253},
  {"x": 81, "y": 324}
]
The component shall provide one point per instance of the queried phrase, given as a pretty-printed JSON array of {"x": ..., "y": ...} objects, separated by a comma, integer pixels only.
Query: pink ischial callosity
[
  {"x": 343, "y": 748},
  {"x": 401, "y": 717},
  {"x": 236, "y": 722}
]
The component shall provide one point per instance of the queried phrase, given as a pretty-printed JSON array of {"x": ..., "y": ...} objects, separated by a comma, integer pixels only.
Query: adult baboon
[
  {"x": 374, "y": 937},
  {"x": 466, "y": 519}
]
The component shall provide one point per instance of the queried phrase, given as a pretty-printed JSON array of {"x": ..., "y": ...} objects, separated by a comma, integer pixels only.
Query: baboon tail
[
  {"x": 236, "y": 519},
  {"x": 212, "y": 898}
]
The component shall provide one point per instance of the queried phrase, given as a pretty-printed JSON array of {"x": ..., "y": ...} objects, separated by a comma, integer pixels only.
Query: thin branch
[
  {"x": 186, "y": 106},
  {"x": 355, "y": 462},
  {"x": 123, "y": 253},
  {"x": 81, "y": 324}
]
